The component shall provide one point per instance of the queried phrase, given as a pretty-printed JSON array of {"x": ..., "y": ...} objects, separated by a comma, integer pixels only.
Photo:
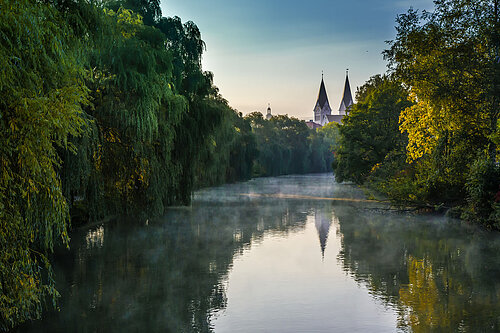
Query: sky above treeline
[{"x": 270, "y": 51}]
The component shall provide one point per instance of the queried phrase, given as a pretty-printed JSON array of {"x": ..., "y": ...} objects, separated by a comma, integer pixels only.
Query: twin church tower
[{"x": 322, "y": 111}]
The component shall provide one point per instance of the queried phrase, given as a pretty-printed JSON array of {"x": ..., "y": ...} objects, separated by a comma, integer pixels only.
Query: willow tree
[
  {"x": 204, "y": 113},
  {"x": 154, "y": 114},
  {"x": 136, "y": 111},
  {"x": 41, "y": 91},
  {"x": 230, "y": 149},
  {"x": 149, "y": 10},
  {"x": 102, "y": 110},
  {"x": 124, "y": 165}
]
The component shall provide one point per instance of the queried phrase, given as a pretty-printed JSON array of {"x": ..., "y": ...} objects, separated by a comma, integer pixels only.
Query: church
[{"x": 322, "y": 111}]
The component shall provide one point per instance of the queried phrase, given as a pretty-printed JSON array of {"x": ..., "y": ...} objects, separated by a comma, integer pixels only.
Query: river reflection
[
  {"x": 442, "y": 275},
  {"x": 251, "y": 258}
]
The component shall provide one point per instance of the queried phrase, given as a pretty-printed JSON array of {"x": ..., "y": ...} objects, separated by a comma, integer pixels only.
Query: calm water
[{"x": 274, "y": 255}]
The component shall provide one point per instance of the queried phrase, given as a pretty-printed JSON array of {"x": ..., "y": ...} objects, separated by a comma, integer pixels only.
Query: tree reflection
[
  {"x": 420, "y": 296},
  {"x": 169, "y": 275},
  {"x": 440, "y": 276}
]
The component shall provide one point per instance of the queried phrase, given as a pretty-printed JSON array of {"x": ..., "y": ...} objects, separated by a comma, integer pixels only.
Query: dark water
[{"x": 275, "y": 255}]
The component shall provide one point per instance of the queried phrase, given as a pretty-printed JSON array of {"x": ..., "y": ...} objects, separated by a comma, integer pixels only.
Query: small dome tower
[{"x": 269, "y": 115}]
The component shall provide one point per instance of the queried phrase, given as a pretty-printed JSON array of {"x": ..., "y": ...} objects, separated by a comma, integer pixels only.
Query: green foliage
[
  {"x": 370, "y": 143},
  {"x": 149, "y": 10},
  {"x": 148, "y": 140},
  {"x": 243, "y": 151},
  {"x": 230, "y": 152},
  {"x": 102, "y": 111},
  {"x": 287, "y": 146},
  {"x": 449, "y": 58},
  {"x": 41, "y": 93},
  {"x": 322, "y": 147},
  {"x": 483, "y": 192}
]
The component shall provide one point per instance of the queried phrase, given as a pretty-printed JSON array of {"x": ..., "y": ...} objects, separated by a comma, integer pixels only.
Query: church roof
[
  {"x": 322, "y": 97},
  {"x": 347, "y": 98},
  {"x": 312, "y": 125},
  {"x": 335, "y": 118}
]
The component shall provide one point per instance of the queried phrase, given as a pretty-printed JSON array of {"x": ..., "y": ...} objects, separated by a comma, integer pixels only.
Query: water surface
[{"x": 286, "y": 254}]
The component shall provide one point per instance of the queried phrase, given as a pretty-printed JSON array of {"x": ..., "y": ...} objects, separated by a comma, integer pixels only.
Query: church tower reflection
[{"x": 323, "y": 220}]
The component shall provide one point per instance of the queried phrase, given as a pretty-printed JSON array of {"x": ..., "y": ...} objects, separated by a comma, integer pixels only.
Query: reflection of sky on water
[
  {"x": 283, "y": 285},
  {"x": 231, "y": 263}
]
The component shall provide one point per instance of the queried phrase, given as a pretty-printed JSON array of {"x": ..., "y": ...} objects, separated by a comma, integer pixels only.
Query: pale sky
[{"x": 270, "y": 51}]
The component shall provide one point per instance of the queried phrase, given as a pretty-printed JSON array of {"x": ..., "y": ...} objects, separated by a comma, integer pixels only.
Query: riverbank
[{"x": 456, "y": 211}]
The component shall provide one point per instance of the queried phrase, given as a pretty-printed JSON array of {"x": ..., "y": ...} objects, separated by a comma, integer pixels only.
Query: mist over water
[{"x": 276, "y": 255}]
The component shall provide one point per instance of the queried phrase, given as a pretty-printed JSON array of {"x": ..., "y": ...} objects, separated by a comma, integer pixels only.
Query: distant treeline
[
  {"x": 105, "y": 109},
  {"x": 427, "y": 133},
  {"x": 287, "y": 146}
]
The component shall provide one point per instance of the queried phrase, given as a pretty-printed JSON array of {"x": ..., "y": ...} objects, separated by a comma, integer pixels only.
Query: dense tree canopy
[
  {"x": 100, "y": 113},
  {"x": 448, "y": 61},
  {"x": 370, "y": 139},
  {"x": 105, "y": 110},
  {"x": 41, "y": 96},
  {"x": 287, "y": 146}
]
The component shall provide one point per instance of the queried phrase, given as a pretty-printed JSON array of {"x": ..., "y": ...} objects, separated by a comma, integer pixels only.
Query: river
[{"x": 285, "y": 254}]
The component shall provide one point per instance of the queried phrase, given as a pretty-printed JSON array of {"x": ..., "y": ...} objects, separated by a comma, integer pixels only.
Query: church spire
[
  {"x": 322, "y": 107},
  {"x": 322, "y": 97},
  {"x": 347, "y": 97}
]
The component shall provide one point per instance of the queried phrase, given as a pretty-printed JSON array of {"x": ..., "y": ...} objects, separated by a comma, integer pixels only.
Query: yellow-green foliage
[
  {"x": 40, "y": 97},
  {"x": 446, "y": 58},
  {"x": 422, "y": 128}
]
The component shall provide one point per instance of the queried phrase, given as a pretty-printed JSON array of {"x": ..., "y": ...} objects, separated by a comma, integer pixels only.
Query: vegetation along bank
[{"x": 105, "y": 109}]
